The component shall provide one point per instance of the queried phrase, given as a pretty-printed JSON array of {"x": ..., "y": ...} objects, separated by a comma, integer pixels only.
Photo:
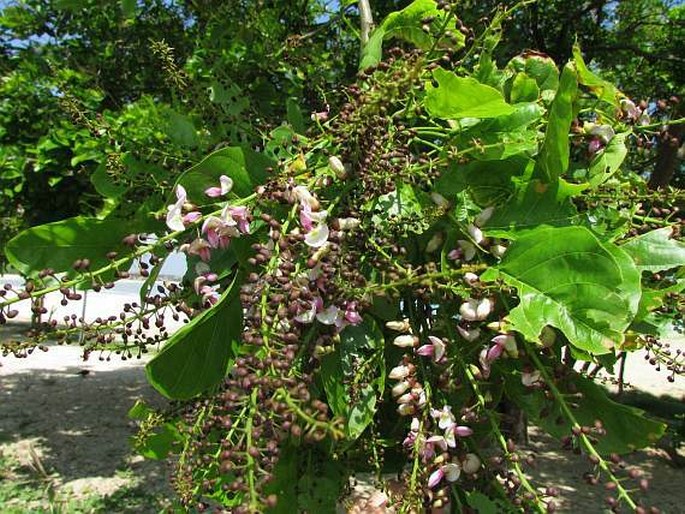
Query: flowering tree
[{"x": 369, "y": 293}]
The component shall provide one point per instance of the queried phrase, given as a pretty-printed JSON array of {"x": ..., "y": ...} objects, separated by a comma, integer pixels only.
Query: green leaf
[
  {"x": 57, "y": 245},
  {"x": 488, "y": 181},
  {"x": 481, "y": 503},
  {"x": 626, "y": 427},
  {"x": 246, "y": 167},
  {"x": 554, "y": 155},
  {"x": 372, "y": 53},
  {"x": 294, "y": 116},
  {"x": 401, "y": 205},
  {"x": 196, "y": 357},
  {"x": 158, "y": 444},
  {"x": 463, "y": 97},
  {"x": 356, "y": 370},
  {"x": 105, "y": 184},
  {"x": 602, "y": 89},
  {"x": 656, "y": 250},
  {"x": 181, "y": 129},
  {"x": 535, "y": 203},
  {"x": 407, "y": 24},
  {"x": 128, "y": 7},
  {"x": 567, "y": 278},
  {"x": 524, "y": 89},
  {"x": 609, "y": 160}
]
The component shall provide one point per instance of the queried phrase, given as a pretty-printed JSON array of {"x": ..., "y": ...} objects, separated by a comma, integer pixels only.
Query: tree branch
[{"x": 366, "y": 17}]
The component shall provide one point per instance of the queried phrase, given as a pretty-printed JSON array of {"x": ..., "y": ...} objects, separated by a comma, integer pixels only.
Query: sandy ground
[{"x": 77, "y": 424}]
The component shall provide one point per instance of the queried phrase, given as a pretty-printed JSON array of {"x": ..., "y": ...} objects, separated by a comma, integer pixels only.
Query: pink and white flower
[
  {"x": 174, "y": 217},
  {"x": 476, "y": 310},
  {"x": 434, "y": 349},
  {"x": 449, "y": 472},
  {"x": 225, "y": 186}
]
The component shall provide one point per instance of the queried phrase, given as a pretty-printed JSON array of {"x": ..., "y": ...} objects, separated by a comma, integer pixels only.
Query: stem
[
  {"x": 585, "y": 442},
  {"x": 480, "y": 399}
]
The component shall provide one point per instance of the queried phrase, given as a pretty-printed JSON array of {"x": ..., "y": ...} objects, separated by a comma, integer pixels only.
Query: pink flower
[
  {"x": 191, "y": 217},
  {"x": 210, "y": 295},
  {"x": 351, "y": 315},
  {"x": 201, "y": 248},
  {"x": 434, "y": 349},
  {"x": 469, "y": 334},
  {"x": 449, "y": 471},
  {"x": 218, "y": 232},
  {"x": 225, "y": 185},
  {"x": 237, "y": 215}
]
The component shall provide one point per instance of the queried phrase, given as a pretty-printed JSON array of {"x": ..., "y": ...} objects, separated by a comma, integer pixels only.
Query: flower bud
[
  {"x": 399, "y": 326},
  {"x": 399, "y": 372},
  {"x": 406, "y": 409},
  {"x": 471, "y": 463},
  {"x": 337, "y": 166},
  {"x": 400, "y": 388},
  {"x": 483, "y": 217},
  {"x": 440, "y": 200},
  {"x": 435, "y": 242},
  {"x": 476, "y": 234},
  {"x": 346, "y": 224},
  {"x": 406, "y": 341}
]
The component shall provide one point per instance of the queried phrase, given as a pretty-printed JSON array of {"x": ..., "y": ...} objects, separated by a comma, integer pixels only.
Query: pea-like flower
[
  {"x": 434, "y": 349},
  {"x": 225, "y": 186},
  {"x": 174, "y": 217},
  {"x": 449, "y": 472},
  {"x": 406, "y": 341}
]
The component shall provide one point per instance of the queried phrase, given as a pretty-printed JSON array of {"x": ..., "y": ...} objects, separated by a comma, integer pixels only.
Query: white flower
[
  {"x": 446, "y": 419},
  {"x": 174, "y": 217},
  {"x": 476, "y": 310},
  {"x": 470, "y": 278},
  {"x": 476, "y": 234},
  {"x": 328, "y": 316},
  {"x": 406, "y": 409},
  {"x": 400, "y": 388},
  {"x": 318, "y": 236}
]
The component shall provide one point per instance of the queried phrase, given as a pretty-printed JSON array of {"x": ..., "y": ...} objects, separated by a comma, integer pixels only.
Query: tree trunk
[{"x": 667, "y": 159}]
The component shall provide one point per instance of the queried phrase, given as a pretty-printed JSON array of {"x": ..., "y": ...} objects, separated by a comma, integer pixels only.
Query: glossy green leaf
[
  {"x": 246, "y": 167},
  {"x": 345, "y": 375},
  {"x": 535, "y": 203},
  {"x": 627, "y": 428},
  {"x": 196, "y": 357},
  {"x": 601, "y": 88},
  {"x": 554, "y": 155},
  {"x": 57, "y": 245},
  {"x": 538, "y": 66},
  {"x": 567, "y": 278},
  {"x": 656, "y": 250},
  {"x": 524, "y": 89},
  {"x": 489, "y": 182},
  {"x": 463, "y": 97},
  {"x": 609, "y": 160}
]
